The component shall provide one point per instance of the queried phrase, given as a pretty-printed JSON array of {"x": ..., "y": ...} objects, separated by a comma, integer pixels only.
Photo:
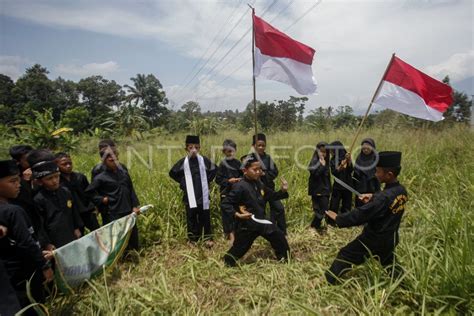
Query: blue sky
[{"x": 353, "y": 42}]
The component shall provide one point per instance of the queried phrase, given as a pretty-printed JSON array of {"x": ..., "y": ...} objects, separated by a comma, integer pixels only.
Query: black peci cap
[
  {"x": 192, "y": 139},
  {"x": 389, "y": 159},
  {"x": 8, "y": 168},
  {"x": 16, "y": 152},
  {"x": 260, "y": 136},
  {"x": 249, "y": 159},
  {"x": 44, "y": 168}
]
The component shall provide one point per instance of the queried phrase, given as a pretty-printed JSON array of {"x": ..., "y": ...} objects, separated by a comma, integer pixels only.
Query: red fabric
[
  {"x": 274, "y": 43},
  {"x": 436, "y": 94}
]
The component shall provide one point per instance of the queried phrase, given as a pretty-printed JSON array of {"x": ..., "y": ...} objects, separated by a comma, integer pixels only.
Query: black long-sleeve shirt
[
  {"x": 77, "y": 184},
  {"x": 26, "y": 202},
  {"x": 253, "y": 195},
  {"x": 382, "y": 215},
  {"x": 344, "y": 174},
  {"x": 19, "y": 250},
  {"x": 60, "y": 215},
  {"x": 177, "y": 174},
  {"x": 319, "y": 182},
  {"x": 228, "y": 168},
  {"x": 365, "y": 182},
  {"x": 270, "y": 169},
  {"x": 100, "y": 167},
  {"x": 117, "y": 186}
]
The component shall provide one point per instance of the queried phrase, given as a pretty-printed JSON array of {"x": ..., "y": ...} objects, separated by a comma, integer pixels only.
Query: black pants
[
  {"x": 244, "y": 239},
  {"x": 277, "y": 214},
  {"x": 19, "y": 281},
  {"x": 338, "y": 196},
  {"x": 9, "y": 304},
  {"x": 198, "y": 222},
  {"x": 228, "y": 224},
  {"x": 133, "y": 241},
  {"x": 320, "y": 205},
  {"x": 90, "y": 221},
  {"x": 356, "y": 253}
]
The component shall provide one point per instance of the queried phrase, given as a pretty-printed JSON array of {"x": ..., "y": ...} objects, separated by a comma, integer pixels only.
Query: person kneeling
[
  {"x": 246, "y": 200},
  {"x": 381, "y": 216}
]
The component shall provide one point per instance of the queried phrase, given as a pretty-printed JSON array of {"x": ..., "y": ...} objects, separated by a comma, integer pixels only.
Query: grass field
[{"x": 436, "y": 247}]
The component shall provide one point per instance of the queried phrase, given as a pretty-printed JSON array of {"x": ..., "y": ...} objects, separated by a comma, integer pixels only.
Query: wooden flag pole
[
  {"x": 253, "y": 72},
  {"x": 370, "y": 105}
]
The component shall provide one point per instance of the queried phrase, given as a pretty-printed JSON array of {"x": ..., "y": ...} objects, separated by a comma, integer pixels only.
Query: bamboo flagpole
[
  {"x": 253, "y": 71},
  {"x": 370, "y": 105}
]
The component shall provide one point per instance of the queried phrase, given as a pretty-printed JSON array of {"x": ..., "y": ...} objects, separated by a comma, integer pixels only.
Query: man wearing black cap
[
  {"x": 270, "y": 172},
  {"x": 246, "y": 202},
  {"x": 20, "y": 253},
  {"x": 194, "y": 173},
  {"x": 381, "y": 215},
  {"x": 54, "y": 203}
]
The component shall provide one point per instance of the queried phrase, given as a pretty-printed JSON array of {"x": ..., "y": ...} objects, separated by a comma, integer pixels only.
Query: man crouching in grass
[
  {"x": 246, "y": 201},
  {"x": 381, "y": 215}
]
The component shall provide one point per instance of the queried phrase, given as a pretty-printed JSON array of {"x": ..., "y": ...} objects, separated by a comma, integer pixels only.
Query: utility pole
[{"x": 472, "y": 111}]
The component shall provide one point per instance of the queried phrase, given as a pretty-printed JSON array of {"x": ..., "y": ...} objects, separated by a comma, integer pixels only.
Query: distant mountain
[{"x": 466, "y": 86}]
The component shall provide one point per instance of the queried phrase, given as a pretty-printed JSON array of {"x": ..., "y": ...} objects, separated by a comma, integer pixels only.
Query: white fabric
[
  {"x": 285, "y": 70},
  {"x": 189, "y": 183},
  {"x": 405, "y": 101}
]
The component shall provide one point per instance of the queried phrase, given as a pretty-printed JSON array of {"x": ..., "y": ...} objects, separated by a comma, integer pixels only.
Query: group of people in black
[
  {"x": 44, "y": 205},
  {"x": 248, "y": 185}
]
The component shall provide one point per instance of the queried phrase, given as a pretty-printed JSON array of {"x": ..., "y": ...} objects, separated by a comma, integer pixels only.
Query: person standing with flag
[{"x": 364, "y": 177}]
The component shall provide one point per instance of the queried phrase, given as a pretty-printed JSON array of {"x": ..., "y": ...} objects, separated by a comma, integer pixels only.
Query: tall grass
[{"x": 436, "y": 248}]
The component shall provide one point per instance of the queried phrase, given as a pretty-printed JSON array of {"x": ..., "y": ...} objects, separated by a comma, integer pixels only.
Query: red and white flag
[
  {"x": 279, "y": 57},
  {"x": 407, "y": 90}
]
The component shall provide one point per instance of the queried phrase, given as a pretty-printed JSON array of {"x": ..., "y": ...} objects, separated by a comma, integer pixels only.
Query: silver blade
[
  {"x": 261, "y": 221},
  {"x": 346, "y": 186}
]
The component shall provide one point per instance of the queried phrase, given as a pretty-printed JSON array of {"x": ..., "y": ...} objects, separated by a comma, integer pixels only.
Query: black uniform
[
  {"x": 77, "y": 184},
  {"x": 60, "y": 215},
  {"x": 381, "y": 217},
  {"x": 25, "y": 201},
  {"x": 198, "y": 220},
  {"x": 319, "y": 188},
  {"x": 21, "y": 254},
  {"x": 254, "y": 196},
  {"x": 277, "y": 210},
  {"x": 117, "y": 186},
  {"x": 339, "y": 193},
  {"x": 96, "y": 170},
  {"x": 9, "y": 304},
  {"x": 229, "y": 168},
  {"x": 364, "y": 172}
]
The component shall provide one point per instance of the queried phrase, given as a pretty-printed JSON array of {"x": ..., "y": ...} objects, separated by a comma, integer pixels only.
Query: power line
[
  {"x": 233, "y": 46},
  {"x": 263, "y": 14},
  {"x": 217, "y": 48},
  {"x": 210, "y": 45}
]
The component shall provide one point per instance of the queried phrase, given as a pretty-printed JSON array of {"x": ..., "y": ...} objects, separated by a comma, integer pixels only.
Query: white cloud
[
  {"x": 458, "y": 67},
  {"x": 353, "y": 39},
  {"x": 13, "y": 66},
  {"x": 87, "y": 69}
]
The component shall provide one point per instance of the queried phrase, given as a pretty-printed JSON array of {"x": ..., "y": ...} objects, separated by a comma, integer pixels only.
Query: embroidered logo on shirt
[
  {"x": 69, "y": 203},
  {"x": 398, "y": 204}
]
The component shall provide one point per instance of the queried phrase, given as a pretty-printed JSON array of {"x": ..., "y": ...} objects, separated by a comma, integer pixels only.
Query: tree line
[{"x": 37, "y": 105}]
